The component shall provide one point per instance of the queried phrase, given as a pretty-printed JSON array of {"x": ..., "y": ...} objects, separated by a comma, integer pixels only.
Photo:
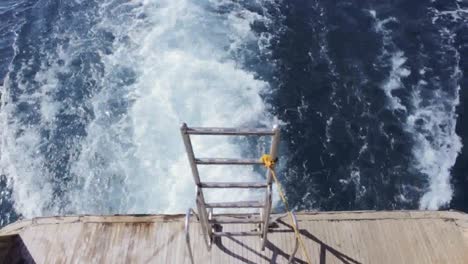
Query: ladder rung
[
  {"x": 243, "y": 204},
  {"x": 234, "y": 184},
  {"x": 213, "y": 161},
  {"x": 236, "y": 220},
  {"x": 251, "y": 233},
  {"x": 229, "y": 131}
]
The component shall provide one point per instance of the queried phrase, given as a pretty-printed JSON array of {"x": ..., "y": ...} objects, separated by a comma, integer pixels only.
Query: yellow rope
[{"x": 269, "y": 163}]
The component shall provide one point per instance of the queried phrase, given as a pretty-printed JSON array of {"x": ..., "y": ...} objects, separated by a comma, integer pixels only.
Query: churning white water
[
  {"x": 184, "y": 59},
  {"x": 430, "y": 118}
]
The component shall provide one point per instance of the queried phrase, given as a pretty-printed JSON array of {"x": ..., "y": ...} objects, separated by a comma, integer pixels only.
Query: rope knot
[{"x": 268, "y": 161}]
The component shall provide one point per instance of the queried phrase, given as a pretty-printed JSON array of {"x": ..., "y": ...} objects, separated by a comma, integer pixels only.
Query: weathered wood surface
[{"x": 338, "y": 237}]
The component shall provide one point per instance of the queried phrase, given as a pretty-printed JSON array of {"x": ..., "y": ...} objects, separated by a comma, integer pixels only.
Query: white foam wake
[
  {"x": 397, "y": 57},
  {"x": 430, "y": 118},
  {"x": 182, "y": 56},
  {"x": 438, "y": 145}
]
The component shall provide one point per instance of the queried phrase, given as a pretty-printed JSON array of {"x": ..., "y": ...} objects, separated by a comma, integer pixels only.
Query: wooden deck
[{"x": 338, "y": 237}]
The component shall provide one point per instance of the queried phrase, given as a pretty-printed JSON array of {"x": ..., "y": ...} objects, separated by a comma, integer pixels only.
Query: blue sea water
[{"x": 370, "y": 95}]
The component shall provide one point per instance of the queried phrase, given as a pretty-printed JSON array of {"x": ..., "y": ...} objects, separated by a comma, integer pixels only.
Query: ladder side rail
[
  {"x": 196, "y": 177},
  {"x": 273, "y": 150},
  {"x": 190, "y": 154},
  {"x": 268, "y": 194},
  {"x": 204, "y": 222},
  {"x": 266, "y": 216}
]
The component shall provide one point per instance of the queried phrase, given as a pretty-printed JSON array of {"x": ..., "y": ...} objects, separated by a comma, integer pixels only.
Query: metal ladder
[{"x": 207, "y": 219}]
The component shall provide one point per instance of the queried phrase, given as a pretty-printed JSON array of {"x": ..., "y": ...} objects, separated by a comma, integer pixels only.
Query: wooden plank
[
  {"x": 60, "y": 243},
  {"x": 15, "y": 228},
  {"x": 30, "y": 238},
  {"x": 113, "y": 256},
  {"x": 43, "y": 242},
  {"x": 304, "y": 216},
  {"x": 349, "y": 237},
  {"x": 160, "y": 235}
]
